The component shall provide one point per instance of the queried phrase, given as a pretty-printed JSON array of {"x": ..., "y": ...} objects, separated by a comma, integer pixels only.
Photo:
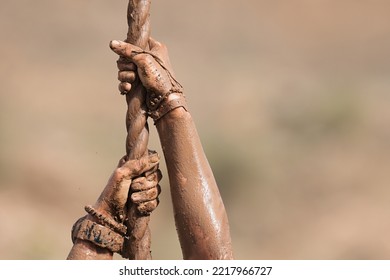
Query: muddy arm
[
  {"x": 200, "y": 215},
  {"x": 85, "y": 250},
  {"x": 100, "y": 233}
]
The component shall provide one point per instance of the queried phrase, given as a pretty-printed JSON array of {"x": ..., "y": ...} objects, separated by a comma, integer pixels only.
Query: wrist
[
  {"x": 106, "y": 220},
  {"x": 89, "y": 233},
  {"x": 98, "y": 229},
  {"x": 175, "y": 114},
  {"x": 102, "y": 206},
  {"x": 172, "y": 104}
]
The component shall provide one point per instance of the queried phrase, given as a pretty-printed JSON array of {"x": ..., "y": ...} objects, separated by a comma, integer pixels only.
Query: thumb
[
  {"x": 147, "y": 163},
  {"x": 133, "y": 168},
  {"x": 124, "y": 49}
]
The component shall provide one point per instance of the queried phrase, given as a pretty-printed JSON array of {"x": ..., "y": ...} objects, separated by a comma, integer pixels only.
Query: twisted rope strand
[{"x": 138, "y": 245}]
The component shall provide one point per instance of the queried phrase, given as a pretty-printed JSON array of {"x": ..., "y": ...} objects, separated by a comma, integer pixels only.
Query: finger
[
  {"x": 147, "y": 207},
  {"x": 144, "y": 183},
  {"x": 133, "y": 168},
  {"x": 124, "y": 64},
  {"x": 144, "y": 196},
  {"x": 155, "y": 176},
  {"x": 132, "y": 53},
  {"x": 146, "y": 163},
  {"x": 151, "y": 171},
  {"x": 123, "y": 49},
  {"x": 124, "y": 87},
  {"x": 141, "y": 184},
  {"x": 126, "y": 76}
]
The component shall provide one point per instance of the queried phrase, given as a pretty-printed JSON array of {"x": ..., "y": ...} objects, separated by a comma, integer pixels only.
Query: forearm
[
  {"x": 85, "y": 250},
  {"x": 200, "y": 215}
]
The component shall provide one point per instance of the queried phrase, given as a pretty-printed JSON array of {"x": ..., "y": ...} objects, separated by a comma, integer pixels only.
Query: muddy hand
[
  {"x": 152, "y": 67},
  {"x": 114, "y": 197},
  {"x": 145, "y": 190}
]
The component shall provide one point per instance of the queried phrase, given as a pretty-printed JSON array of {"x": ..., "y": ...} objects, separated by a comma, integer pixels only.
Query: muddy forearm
[
  {"x": 85, "y": 250},
  {"x": 200, "y": 215}
]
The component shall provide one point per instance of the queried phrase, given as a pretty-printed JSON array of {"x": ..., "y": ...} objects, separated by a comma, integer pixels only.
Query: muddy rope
[{"x": 137, "y": 246}]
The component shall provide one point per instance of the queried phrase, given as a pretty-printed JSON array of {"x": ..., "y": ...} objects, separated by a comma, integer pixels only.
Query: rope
[{"x": 137, "y": 247}]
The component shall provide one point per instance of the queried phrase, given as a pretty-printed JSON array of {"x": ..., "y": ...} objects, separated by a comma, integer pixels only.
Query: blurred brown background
[{"x": 290, "y": 98}]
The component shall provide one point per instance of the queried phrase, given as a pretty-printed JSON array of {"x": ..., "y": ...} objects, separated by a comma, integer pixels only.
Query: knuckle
[
  {"x": 138, "y": 184},
  {"x": 148, "y": 60},
  {"x": 135, "y": 187},
  {"x": 143, "y": 163},
  {"x": 148, "y": 207},
  {"x": 119, "y": 173},
  {"x": 124, "y": 87},
  {"x": 152, "y": 177},
  {"x": 153, "y": 193}
]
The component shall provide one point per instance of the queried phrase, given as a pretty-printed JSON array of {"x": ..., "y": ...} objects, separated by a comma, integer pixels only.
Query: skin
[
  {"x": 113, "y": 200},
  {"x": 200, "y": 215}
]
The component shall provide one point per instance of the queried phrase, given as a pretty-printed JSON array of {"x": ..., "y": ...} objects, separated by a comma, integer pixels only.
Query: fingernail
[{"x": 115, "y": 44}]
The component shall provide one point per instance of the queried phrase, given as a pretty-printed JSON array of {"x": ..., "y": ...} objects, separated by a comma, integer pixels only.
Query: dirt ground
[{"x": 303, "y": 166}]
